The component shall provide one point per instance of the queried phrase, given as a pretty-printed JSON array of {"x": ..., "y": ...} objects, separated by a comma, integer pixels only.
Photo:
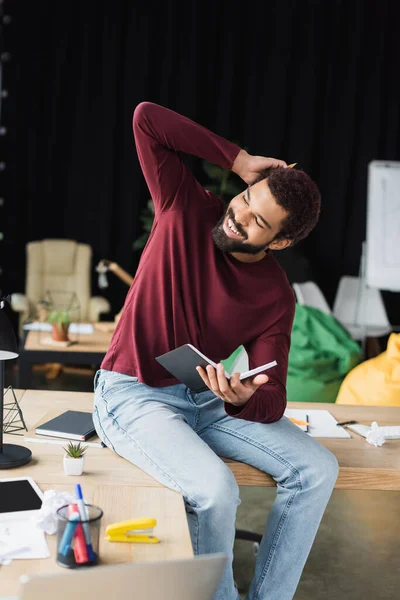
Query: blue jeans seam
[
  {"x": 261, "y": 447},
  {"x": 196, "y": 419},
  {"x": 177, "y": 487},
  {"x": 274, "y": 543},
  {"x": 196, "y": 543},
  {"x": 102, "y": 430},
  {"x": 197, "y": 410},
  {"x": 190, "y": 397}
]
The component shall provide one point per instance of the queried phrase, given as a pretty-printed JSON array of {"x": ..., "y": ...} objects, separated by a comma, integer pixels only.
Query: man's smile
[{"x": 230, "y": 229}]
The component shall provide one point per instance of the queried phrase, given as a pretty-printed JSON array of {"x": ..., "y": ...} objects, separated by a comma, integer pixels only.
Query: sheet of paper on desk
[
  {"x": 322, "y": 423},
  {"x": 22, "y": 539}
]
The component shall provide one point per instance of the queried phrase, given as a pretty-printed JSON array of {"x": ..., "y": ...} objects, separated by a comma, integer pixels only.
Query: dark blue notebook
[{"x": 72, "y": 424}]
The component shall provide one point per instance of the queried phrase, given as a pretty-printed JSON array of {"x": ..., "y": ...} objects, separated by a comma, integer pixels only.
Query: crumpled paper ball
[
  {"x": 375, "y": 436},
  {"x": 46, "y": 518}
]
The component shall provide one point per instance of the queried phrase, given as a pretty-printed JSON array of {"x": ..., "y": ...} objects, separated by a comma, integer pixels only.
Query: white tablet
[{"x": 20, "y": 497}]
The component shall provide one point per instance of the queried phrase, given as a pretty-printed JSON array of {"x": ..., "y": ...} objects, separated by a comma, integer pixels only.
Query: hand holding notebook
[{"x": 182, "y": 363}]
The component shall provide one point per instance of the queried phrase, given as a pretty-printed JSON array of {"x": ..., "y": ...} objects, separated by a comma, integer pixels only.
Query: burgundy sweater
[{"x": 185, "y": 289}]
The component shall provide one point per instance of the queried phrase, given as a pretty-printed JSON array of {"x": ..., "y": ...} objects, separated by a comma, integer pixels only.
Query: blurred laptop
[{"x": 189, "y": 579}]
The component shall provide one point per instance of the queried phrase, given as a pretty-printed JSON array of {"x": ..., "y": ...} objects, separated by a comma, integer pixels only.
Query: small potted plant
[
  {"x": 60, "y": 321},
  {"x": 74, "y": 459}
]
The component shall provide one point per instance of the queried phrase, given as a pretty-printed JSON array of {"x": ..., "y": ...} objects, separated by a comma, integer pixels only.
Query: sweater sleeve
[
  {"x": 268, "y": 403},
  {"x": 160, "y": 134}
]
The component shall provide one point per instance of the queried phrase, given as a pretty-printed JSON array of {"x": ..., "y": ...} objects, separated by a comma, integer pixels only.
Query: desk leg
[{"x": 24, "y": 374}]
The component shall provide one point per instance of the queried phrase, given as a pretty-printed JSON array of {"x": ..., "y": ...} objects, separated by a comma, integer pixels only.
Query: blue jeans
[{"x": 177, "y": 436}]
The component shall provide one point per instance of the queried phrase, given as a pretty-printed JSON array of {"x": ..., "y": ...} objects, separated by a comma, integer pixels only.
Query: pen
[
  {"x": 346, "y": 423},
  {"x": 308, "y": 424},
  {"x": 80, "y": 548},
  {"x": 65, "y": 544},
  {"x": 84, "y": 517}
]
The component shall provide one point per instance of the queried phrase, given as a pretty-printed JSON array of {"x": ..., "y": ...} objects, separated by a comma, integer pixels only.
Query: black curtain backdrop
[{"x": 312, "y": 82}]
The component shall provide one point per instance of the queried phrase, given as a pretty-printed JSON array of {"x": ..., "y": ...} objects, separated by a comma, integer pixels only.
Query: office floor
[{"x": 355, "y": 554}]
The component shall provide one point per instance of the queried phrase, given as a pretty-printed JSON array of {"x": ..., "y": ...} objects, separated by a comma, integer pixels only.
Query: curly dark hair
[{"x": 299, "y": 196}]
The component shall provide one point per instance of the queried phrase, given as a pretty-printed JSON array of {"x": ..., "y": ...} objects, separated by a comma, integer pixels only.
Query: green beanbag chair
[{"x": 321, "y": 354}]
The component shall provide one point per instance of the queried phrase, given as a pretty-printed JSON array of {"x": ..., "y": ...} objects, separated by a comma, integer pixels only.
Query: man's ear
[{"x": 280, "y": 244}]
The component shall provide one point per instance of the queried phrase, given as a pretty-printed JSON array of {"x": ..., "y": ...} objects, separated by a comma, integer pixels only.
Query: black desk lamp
[{"x": 11, "y": 455}]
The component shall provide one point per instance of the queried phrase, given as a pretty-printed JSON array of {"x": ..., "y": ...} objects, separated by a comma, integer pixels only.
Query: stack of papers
[{"x": 322, "y": 423}]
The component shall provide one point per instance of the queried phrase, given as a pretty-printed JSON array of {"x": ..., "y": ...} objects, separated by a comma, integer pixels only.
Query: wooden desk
[
  {"x": 119, "y": 488},
  {"x": 124, "y": 491},
  {"x": 89, "y": 349},
  {"x": 362, "y": 466}
]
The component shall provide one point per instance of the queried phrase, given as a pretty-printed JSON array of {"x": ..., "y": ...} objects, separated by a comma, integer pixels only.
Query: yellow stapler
[{"x": 136, "y": 530}]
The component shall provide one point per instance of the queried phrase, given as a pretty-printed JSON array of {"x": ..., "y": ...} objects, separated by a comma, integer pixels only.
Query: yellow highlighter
[{"x": 139, "y": 531}]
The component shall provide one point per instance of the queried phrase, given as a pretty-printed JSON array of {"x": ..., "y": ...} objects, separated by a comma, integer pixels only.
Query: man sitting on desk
[{"x": 207, "y": 277}]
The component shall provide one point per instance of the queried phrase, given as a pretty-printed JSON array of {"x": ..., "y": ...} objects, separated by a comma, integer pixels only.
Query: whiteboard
[{"x": 382, "y": 269}]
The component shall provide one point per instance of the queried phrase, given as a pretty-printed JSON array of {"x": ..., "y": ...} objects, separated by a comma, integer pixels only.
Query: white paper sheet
[
  {"x": 390, "y": 432},
  {"x": 322, "y": 423},
  {"x": 22, "y": 539},
  {"x": 295, "y": 413},
  {"x": 360, "y": 429}
]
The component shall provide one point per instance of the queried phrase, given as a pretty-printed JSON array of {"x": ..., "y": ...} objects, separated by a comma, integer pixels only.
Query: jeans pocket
[{"x": 115, "y": 388}]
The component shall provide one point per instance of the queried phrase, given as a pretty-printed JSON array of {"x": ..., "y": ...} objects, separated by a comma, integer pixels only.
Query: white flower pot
[{"x": 73, "y": 466}]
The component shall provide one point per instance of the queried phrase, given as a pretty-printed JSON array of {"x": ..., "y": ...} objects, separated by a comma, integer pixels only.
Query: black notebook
[
  {"x": 182, "y": 363},
  {"x": 72, "y": 424}
]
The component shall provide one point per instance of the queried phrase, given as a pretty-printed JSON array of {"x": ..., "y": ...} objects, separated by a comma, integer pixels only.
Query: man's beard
[{"x": 227, "y": 244}]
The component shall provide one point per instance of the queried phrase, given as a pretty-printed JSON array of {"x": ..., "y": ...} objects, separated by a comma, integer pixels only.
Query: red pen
[{"x": 80, "y": 550}]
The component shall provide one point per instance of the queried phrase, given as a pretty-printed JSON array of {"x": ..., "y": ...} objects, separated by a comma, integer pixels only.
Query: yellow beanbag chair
[{"x": 375, "y": 382}]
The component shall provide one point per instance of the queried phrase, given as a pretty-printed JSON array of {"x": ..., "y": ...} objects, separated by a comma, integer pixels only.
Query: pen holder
[{"x": 77, "y": 538}]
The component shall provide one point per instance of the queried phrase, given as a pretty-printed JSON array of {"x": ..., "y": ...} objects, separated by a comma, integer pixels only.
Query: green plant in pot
[
  {"x": 74, "y": 458},
  {"x": 60, "y": 321}
]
